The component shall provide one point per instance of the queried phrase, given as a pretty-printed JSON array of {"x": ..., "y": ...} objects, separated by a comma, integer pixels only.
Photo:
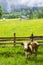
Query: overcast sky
[
  {"x": 29, "y": 3},
  {"x": 26, "y": 2},
  {"x": 23, "y": 1}
]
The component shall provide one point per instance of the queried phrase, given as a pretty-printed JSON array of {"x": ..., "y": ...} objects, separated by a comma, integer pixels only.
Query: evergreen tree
[{"x": 0, "y": 11}]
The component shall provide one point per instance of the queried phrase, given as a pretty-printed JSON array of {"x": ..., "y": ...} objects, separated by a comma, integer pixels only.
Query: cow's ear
[{"x": 22, "y": 44}]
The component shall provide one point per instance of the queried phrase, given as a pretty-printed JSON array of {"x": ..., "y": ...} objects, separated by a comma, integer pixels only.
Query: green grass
[
  {"x": 21, "y": 27},
  {"x": 15, "y": 56}
]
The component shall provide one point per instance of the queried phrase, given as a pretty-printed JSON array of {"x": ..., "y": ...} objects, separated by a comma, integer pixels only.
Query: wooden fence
[{"x": 14, "y": 40}]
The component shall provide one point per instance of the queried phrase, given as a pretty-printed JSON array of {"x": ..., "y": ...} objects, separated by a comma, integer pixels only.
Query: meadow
[
  {"x": 21, "y": 27},
  {"x": 10, "y": 55}
]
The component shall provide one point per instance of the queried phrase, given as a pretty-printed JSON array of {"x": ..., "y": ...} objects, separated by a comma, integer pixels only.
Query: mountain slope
[{"x": 10, "y": 5}]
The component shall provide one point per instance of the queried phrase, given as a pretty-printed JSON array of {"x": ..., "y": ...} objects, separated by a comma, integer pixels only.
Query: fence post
[
  {"x": 14, "y": 39},
  {"x": 32, "y": 37}
]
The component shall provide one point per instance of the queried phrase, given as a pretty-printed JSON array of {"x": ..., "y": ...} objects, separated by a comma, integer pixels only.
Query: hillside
[{"x": 20, "y": 4}]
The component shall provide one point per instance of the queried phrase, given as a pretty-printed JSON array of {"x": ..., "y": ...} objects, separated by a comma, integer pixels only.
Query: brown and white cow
[{"x": 30, "y": 48}]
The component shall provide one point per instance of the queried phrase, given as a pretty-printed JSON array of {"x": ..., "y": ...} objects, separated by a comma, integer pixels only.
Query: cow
[{"x": 30, "y": 48}]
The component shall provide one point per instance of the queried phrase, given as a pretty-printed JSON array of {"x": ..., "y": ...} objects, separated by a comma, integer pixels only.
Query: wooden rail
[{"x": 13, "y": 40}]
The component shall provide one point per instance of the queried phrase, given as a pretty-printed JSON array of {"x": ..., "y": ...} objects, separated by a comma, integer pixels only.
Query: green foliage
[
  {"x": 0, "y": 11},
  {"x": 36, "y": 14},
  {"x": 30, "y": 13},
  {"x": 40, "y": 13}
]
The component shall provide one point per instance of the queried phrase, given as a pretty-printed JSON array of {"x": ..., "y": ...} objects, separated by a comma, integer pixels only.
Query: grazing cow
[{"x": 30, "y": 48}]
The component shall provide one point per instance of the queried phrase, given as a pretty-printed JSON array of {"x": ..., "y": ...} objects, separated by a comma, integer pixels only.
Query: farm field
[
  {"x": 10, "y": 55},
  {"x": 21, "y": 27}
]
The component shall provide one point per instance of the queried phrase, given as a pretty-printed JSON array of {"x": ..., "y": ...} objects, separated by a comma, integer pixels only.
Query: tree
[
  {"x": 0, "y": 11},
  {"x": 31, "y": 14}
]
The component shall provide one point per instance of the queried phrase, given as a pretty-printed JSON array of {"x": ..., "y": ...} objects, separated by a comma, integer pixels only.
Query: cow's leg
[
  {"x": 29, "y": 54},
  {"x": 29, "y": 51},
  {"x": 36, "y": 51},
  {"x": 26, "y": 54}
]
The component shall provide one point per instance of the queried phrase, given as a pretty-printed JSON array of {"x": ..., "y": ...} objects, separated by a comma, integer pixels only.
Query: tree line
[{"x": 30, "y": 13}]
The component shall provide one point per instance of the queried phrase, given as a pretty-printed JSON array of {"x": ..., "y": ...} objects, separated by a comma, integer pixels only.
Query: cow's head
[{"x": 25, "y": 45}]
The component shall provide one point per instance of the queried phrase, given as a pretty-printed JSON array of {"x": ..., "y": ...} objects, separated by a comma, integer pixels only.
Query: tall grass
[{"x": 10, "y": 55}]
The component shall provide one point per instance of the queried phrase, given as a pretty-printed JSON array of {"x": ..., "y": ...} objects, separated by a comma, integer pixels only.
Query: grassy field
[
  {"x": 21, "y": 27},
  {"x": 10, "y": 55},
  {"x": 15, "y": 56}
]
